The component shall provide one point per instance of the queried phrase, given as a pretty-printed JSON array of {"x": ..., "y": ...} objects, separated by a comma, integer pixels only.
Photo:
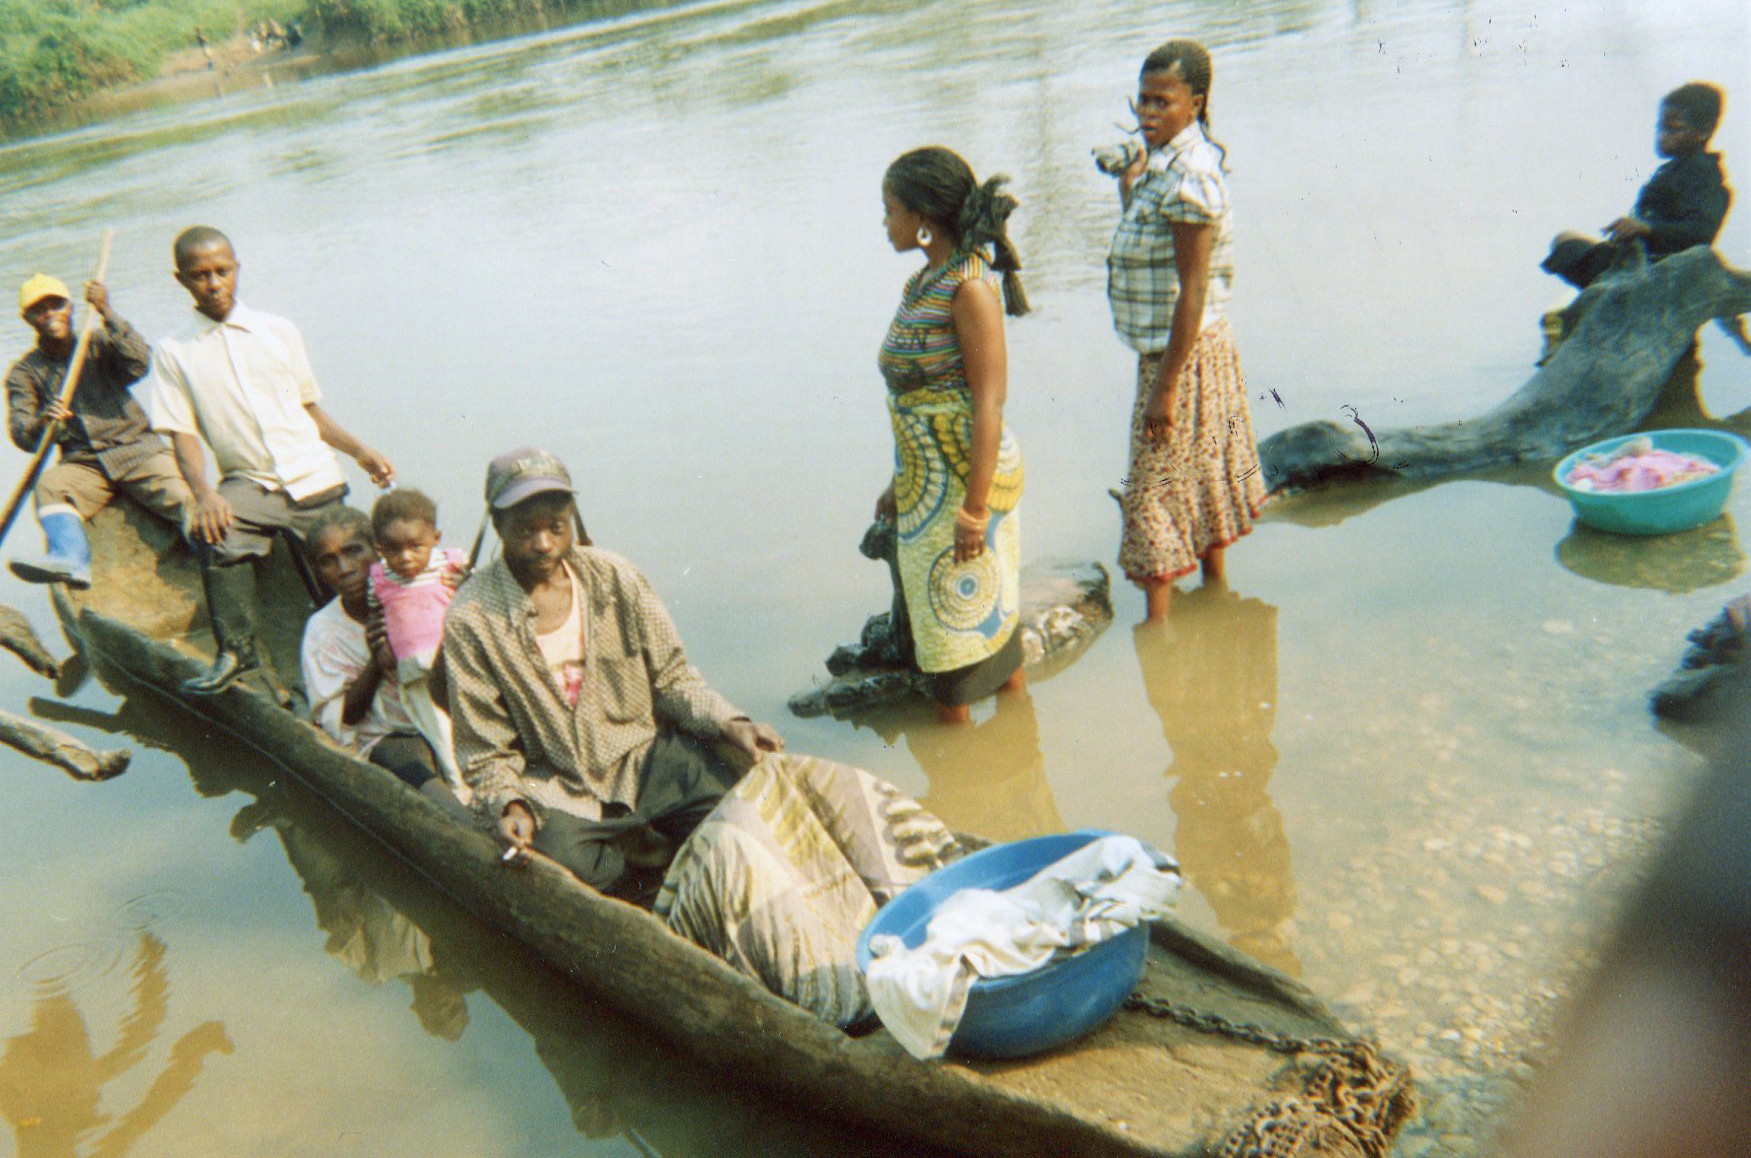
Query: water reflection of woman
[
  {"x": 1211, "y": 675},
  {"x": 988, "y": 778},
  {"x": 957, "y": 472},
  {"x": 1193, "y": 485}
]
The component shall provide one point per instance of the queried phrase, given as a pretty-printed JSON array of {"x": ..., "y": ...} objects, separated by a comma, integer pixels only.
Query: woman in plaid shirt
[{"x": 1194, "y": 485}]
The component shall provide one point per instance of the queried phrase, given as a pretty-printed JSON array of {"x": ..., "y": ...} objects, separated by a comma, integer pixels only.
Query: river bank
[{"x": 66, "y": 65}]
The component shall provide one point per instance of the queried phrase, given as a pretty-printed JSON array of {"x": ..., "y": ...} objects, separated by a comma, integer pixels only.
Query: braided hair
[
  {"x": 939, "y": 186},
  {"x": 1193, "y": 61}
]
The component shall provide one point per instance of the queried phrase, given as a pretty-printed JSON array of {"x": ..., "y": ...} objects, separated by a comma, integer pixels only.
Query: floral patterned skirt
[{"x": 1202, "y": 487}]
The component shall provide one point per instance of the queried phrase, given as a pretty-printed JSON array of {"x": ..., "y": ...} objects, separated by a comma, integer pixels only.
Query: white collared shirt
[{"x": 241, "y": 385}]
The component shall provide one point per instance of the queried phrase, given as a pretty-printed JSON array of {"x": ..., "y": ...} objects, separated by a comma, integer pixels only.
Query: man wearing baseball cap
[
  {"x": 579, "y": 724},
  {"x": 587, "y": 736},
  {"x": 106, "y": 445}
]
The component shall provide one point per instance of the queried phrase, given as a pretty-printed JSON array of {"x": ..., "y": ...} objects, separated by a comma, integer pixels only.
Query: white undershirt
[{"x": 563, "y": 648}]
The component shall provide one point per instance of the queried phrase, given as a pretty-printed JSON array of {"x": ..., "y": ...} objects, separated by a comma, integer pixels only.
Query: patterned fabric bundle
[
  {"x": 1637, "y": 466},
  {"x": 961, "y": 613},
  {"x": 781, "y": 878}
]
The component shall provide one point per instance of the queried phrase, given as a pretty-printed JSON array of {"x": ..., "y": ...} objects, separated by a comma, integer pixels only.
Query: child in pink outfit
[{"x": 411, "y": 590}]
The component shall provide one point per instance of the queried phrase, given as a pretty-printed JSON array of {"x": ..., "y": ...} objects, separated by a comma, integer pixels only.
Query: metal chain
[
  {"x": 1251, "y": 1034},
  {"x": 1364, "y": 1096}
]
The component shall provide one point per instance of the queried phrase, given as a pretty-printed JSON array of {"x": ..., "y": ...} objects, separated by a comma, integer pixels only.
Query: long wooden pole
[{"x": 68, "y": 385}]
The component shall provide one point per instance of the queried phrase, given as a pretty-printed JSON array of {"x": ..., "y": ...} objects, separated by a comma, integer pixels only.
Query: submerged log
[
  {"x": 18, "y": 637},
  {"x": 1064, "y": 605},
  {"x": 1635, "y": 323},
  {"x": 62, "y": 750}
]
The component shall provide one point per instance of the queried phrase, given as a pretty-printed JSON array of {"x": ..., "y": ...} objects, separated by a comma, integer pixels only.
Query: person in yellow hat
[{"x": 106, "y": 444}]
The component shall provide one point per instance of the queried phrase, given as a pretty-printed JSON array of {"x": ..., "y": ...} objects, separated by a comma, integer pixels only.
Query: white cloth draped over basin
[{"x": 1092, "y": 895}]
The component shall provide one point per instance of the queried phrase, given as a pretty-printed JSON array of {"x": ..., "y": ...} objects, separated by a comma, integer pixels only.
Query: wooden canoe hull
[{"x": 1138, "y": 1086}]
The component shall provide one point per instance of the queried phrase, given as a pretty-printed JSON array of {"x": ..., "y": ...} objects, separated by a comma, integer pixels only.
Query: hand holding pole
[{"x": 68, "y": 384}]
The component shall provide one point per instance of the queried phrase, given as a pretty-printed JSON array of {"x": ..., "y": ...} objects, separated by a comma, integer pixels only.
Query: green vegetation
[
  {"x": 389, "y": 20},
  {"x": 55, "y": 51}
]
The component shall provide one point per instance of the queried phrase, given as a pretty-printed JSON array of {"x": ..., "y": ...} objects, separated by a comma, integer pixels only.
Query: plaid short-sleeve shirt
[{"x": 1183, "y": 182}]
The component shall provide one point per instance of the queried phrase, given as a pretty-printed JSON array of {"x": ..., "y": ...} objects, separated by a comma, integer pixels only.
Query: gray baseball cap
[{"x": 522, "y": 474}]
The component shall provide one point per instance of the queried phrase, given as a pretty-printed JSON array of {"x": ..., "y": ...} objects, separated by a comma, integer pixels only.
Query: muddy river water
[{"x": 1405, "y": 755}]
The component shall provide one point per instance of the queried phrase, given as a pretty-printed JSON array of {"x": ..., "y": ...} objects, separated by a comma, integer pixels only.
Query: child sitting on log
[{"x": 1683, "y": 204}]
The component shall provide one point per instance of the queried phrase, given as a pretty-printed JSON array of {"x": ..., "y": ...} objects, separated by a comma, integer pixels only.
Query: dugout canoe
[{"x": 1140, "y": 1086}]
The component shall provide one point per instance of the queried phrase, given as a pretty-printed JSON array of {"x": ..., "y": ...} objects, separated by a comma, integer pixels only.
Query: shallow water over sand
[{"x": 1406, "y": 756}]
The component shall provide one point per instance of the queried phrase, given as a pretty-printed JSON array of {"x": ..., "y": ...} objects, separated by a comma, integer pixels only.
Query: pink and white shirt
[{"x": 413, "y": 610}]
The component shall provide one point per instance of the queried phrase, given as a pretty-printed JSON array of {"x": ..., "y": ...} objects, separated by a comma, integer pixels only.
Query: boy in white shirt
[{"x": 239, "y": 381}]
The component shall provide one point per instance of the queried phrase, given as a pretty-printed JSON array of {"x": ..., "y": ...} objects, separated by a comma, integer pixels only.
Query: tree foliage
[
  {"x": 390, "y": 20},
  {"x": 53, "y": 52}
]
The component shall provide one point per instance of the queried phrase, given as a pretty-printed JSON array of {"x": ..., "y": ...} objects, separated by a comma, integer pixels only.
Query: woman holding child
[
  {"x": 1194, "y": 485},
  {"x": 957, "y": 471},
  {"x": 350, "y": 670}
]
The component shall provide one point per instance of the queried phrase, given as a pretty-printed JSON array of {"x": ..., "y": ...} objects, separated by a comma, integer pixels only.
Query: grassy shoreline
[{"x": 56, "y": 53}]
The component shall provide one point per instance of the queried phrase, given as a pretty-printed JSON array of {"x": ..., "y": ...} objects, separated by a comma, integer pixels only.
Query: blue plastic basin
[
  {"x": 1029, "y": 1012},
  {"x": 1669, "y": 509}
]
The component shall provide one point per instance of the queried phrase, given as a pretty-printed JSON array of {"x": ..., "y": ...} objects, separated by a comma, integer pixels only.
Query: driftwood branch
[
  {"x": 62, "y": 750},
  {"x": 18, "y": 637},
  {"x": 1636, "y": 322}
]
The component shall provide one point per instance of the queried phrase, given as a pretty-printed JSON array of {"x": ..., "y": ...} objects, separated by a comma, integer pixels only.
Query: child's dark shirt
[{"x": 1684, "y": 203}]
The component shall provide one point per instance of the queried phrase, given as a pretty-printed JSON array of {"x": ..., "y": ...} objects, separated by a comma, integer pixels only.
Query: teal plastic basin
[
  {"x": 1669, "y": 509},
  {"x": 1029, "y": 1012}
]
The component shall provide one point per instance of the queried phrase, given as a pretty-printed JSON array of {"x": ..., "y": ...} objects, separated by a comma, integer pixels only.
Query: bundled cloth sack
[{"x": 1094, "y": 894}]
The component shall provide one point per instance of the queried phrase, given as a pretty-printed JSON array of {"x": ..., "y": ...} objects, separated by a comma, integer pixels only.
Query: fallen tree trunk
[
  {"x": 62, "y": 750},
  {"x": 1636, "y": 322}
]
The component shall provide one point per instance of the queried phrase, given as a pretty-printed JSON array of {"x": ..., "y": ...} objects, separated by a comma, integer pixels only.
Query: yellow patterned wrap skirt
[{"x": 962, "y": 613}]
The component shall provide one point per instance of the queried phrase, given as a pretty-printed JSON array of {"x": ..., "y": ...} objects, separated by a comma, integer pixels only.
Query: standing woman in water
[
  {"x": 957, "y": 471},
  {"x": 1193, "y": 486}
]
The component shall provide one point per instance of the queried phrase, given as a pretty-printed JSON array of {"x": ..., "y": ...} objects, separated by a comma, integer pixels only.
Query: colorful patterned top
[
  {"x": 1182, "y": 182},
  {"x": 961, "y": 613},
  {"x": 921, "y": 351}
]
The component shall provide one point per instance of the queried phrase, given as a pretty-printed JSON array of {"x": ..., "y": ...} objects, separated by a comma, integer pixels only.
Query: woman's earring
[{"x": 924, "y": 235}]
